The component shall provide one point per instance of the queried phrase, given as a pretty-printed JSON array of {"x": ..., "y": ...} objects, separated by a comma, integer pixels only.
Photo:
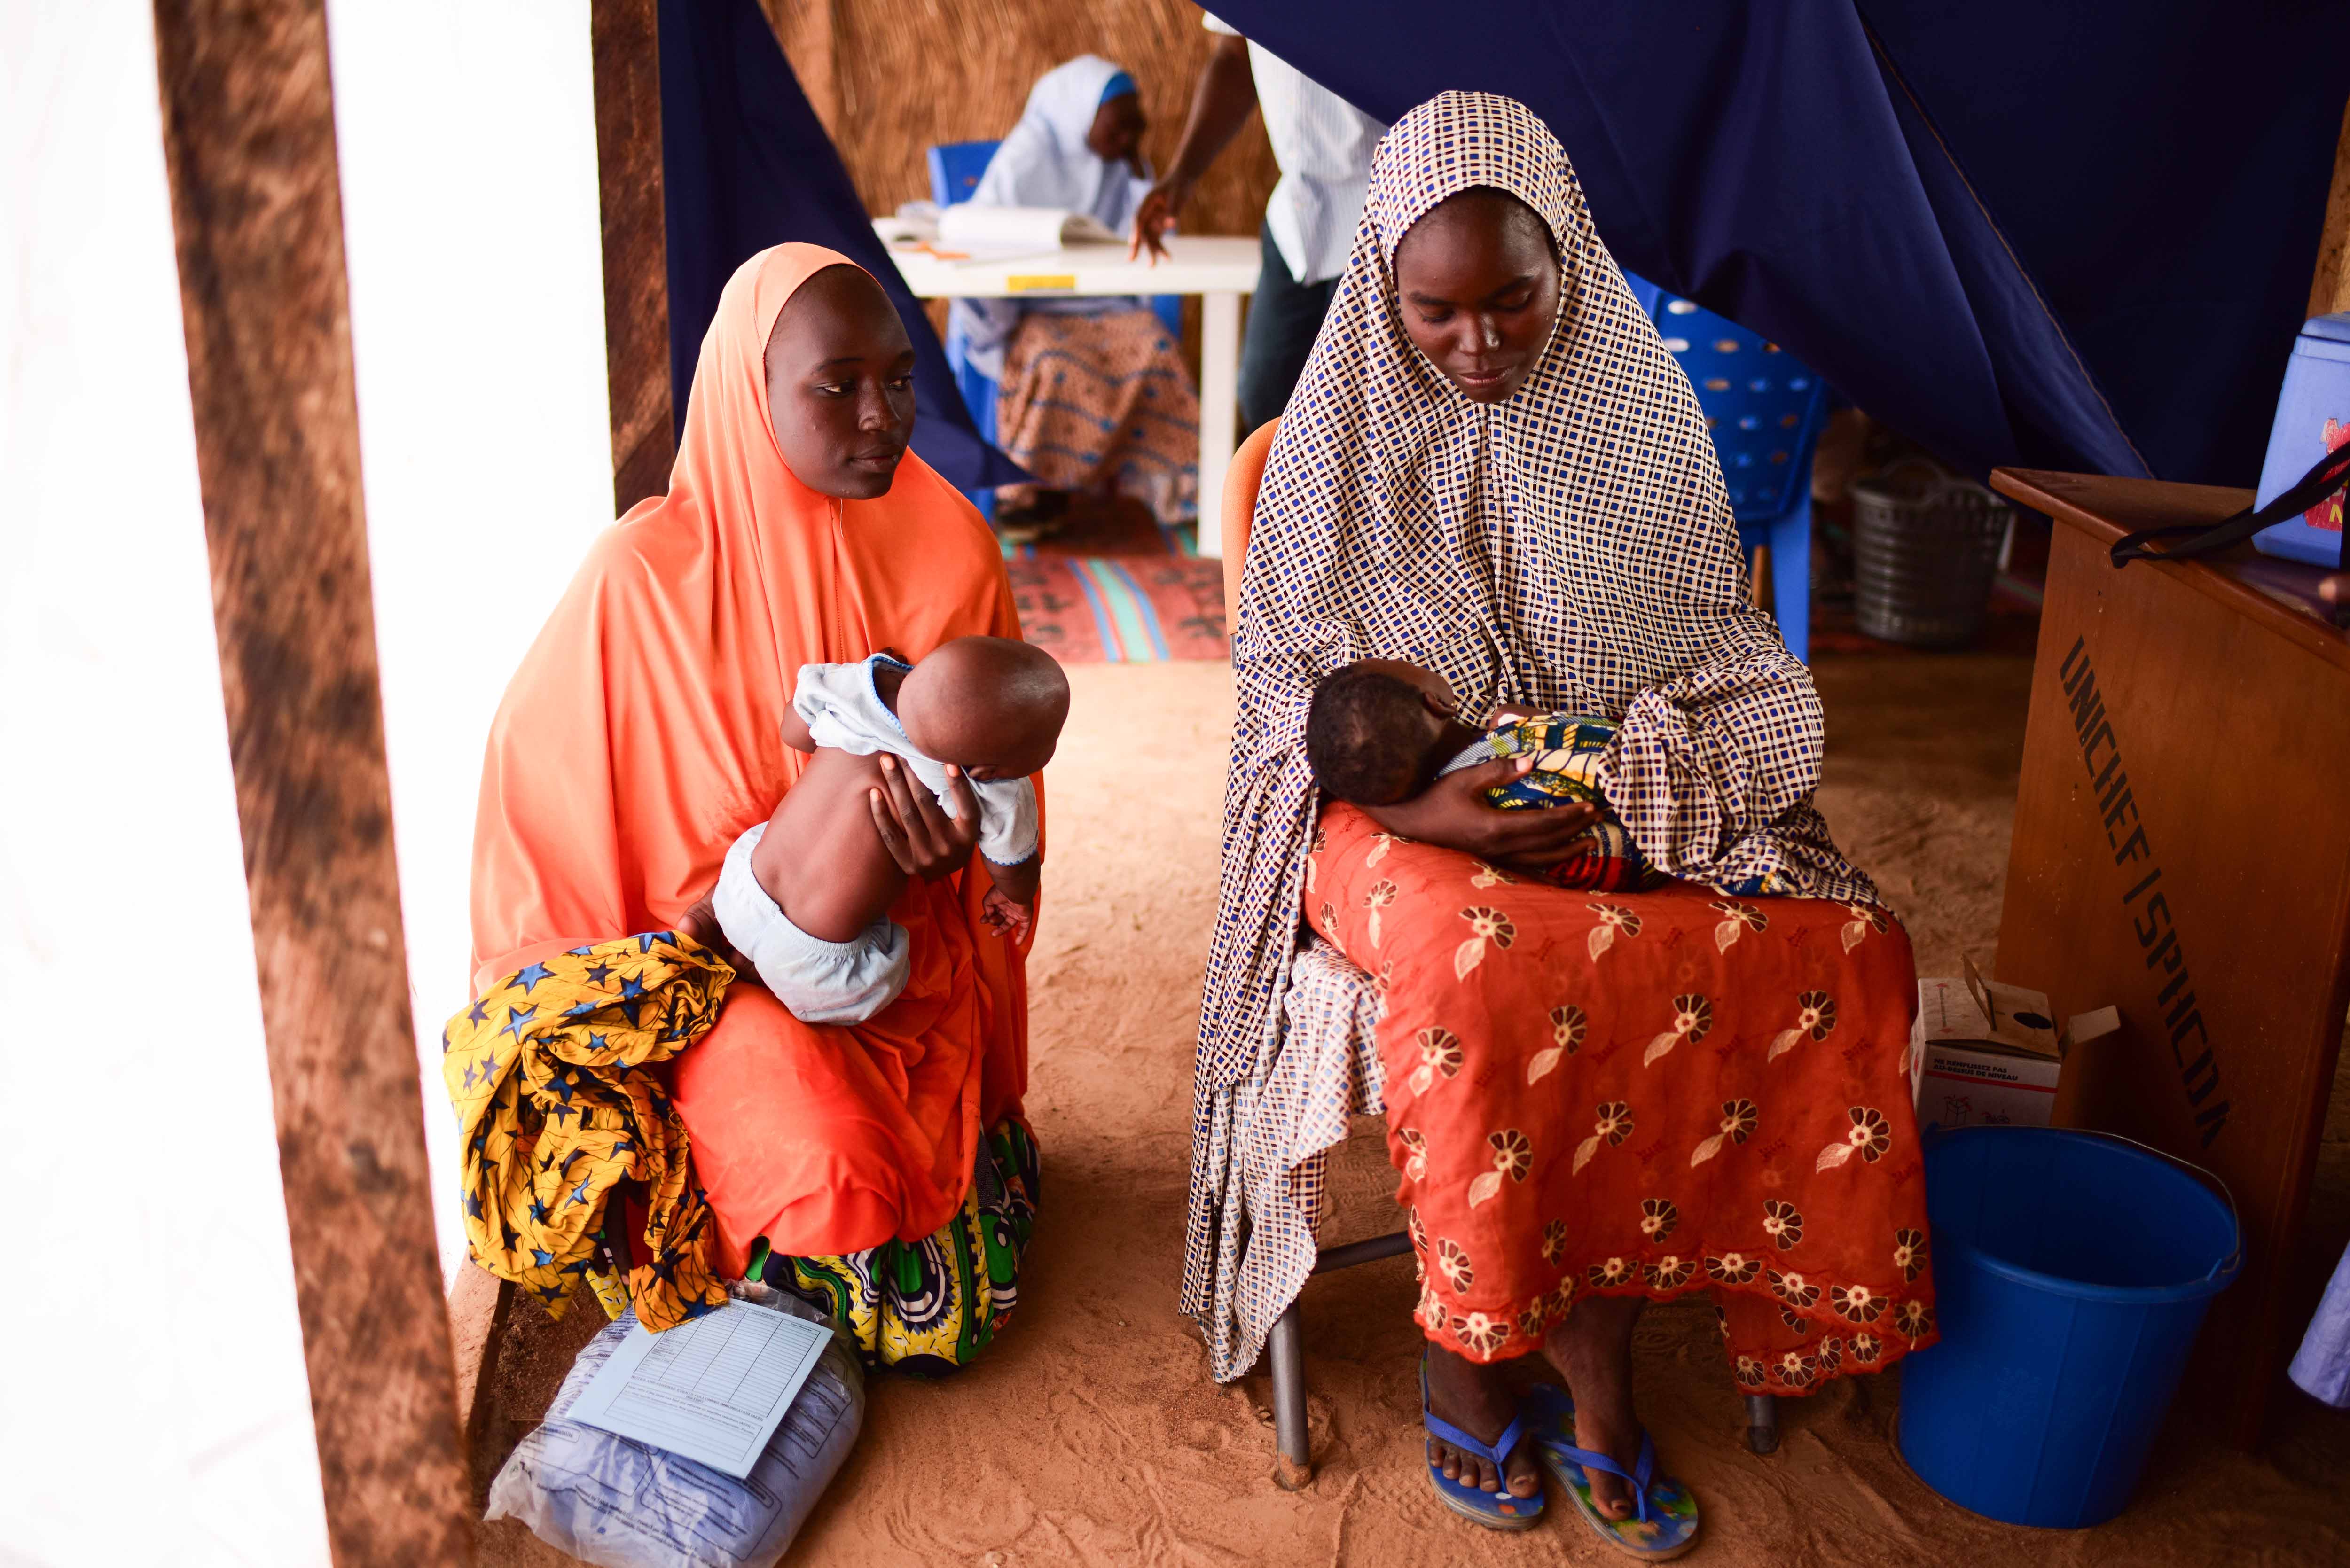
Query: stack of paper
[{"x": 711, "y": 1389}]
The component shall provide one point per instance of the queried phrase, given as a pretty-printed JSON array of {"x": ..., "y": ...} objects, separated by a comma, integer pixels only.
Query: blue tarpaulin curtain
[
  {"x": 2073, "y": 235},
  {"x": 746, "y": 164}
]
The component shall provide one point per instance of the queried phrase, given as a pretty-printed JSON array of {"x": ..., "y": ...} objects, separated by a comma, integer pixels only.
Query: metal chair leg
[
  {"x": 1294, "y": 1468},
  {"x": 1761, "y": 1422}
]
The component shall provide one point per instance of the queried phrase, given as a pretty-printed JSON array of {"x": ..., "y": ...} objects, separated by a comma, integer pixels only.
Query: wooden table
[
  {"x": 2182, "y": 851},
  {"x": 1216, "y": 268}
]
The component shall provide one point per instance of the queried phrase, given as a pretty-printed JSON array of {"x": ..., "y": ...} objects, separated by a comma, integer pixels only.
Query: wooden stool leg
[
  {"x": 1295, "y": 1468},
  {"x": 479, "y": 1305}
]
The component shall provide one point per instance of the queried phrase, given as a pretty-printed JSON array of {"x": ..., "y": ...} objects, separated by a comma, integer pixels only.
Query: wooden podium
[{"x": 2182, "y": 851}]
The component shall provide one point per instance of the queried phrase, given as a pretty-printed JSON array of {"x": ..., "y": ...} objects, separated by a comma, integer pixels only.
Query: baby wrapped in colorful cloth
[
  {"x": 1381, "y": 731},
  {"x": 805, "y": 896}
]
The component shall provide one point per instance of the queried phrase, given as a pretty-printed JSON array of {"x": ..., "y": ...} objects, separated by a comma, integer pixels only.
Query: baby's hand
[
  {"x": 1005, "y": 916},
  {"x": 700, "y": 923}
]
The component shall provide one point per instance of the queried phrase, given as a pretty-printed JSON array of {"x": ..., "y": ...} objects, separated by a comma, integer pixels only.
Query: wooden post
[
  {"x": 626, "y": 37},
  {"x": 2329, "y": 290},
  {"x": 256, "y": 206}
]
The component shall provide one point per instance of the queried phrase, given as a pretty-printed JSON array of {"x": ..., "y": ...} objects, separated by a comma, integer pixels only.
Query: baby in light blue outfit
[
  {"x": 804, "y": 896},
  {"x": 841, "y": 705}
]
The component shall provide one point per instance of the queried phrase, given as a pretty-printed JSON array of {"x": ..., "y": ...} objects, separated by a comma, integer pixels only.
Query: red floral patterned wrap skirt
[{"x": 1641, "y": 1093}]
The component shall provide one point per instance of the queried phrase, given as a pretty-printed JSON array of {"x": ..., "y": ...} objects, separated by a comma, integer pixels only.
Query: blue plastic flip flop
[
  {"x": 1493, "y": 1510},
  {"x": 1666, "y": 1523}
]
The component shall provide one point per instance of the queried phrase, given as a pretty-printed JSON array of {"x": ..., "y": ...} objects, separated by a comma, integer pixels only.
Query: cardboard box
[{"x": 1986, "y": 1055}]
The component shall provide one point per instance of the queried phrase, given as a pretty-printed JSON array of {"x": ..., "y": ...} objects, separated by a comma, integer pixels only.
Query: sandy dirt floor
[{"x": 1091, "y": 1434}]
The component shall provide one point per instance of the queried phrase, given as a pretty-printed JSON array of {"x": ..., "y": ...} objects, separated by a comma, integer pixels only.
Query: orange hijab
[{"x": 641, "y": 734}]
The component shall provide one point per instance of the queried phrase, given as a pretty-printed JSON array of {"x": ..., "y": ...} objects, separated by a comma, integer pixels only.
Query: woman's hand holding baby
[
  {"x": 927, "y": 842},
  {"x": 921, "y": 838},
  {"x": 1453, "y": 812}
]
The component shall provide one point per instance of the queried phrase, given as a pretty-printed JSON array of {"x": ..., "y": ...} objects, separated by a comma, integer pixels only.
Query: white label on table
[{"x": 711, "y": 1389}]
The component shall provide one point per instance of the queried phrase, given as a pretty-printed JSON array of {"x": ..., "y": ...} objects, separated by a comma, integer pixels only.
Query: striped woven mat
[
  {"x": 1121, "y": 609},
  {"x": 1114, "y": 587}
]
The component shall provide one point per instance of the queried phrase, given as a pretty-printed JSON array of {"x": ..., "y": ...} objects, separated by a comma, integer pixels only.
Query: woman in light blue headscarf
[{"x": 1093, "y": 394}]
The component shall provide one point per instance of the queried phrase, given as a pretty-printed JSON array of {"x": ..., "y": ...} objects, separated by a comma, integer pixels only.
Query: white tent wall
[
  {"x": 466, "y": 130},
  {"x": 156, "y": 1404},
  {"x": 155, "y": 1391}
]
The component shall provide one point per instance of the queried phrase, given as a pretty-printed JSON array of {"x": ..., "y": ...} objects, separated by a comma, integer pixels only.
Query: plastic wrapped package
[
  {"x": 618, "y": 1503},
  {"x": 2321, "y": 1367}
]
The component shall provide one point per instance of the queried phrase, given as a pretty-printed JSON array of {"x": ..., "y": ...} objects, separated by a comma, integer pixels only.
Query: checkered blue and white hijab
[{"x": 1570, "y": 547}]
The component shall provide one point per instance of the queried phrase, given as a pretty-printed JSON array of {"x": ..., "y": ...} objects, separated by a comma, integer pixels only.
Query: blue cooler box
[{"x": 2312, "y": 418}]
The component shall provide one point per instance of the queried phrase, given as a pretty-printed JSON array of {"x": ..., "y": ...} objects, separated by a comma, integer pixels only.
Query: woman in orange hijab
[{"x": 882, "y": 1167}]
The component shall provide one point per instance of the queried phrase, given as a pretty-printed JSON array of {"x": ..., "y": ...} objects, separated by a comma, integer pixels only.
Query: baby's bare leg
[{"x": 820, "y": 860}]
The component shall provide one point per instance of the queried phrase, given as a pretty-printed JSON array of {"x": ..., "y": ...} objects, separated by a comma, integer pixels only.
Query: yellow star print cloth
[{"x": 548, "y": 1071}]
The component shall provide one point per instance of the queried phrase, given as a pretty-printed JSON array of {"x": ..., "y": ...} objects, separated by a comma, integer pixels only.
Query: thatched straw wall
[{"x": 890, "y": 77}]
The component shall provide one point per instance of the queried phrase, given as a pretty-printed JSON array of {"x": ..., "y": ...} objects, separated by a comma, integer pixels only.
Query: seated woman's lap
[
  {"x": 827, "y": 1140},
  {"x": 1089, "y": 398},
  {"x": 1640, "y": 1094}
]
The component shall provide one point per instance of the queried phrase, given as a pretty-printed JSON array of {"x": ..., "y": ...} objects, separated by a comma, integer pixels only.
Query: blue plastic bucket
[{"x": 2071, "y": 1273}]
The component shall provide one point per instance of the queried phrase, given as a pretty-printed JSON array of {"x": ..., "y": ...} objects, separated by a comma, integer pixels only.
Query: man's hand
[
  {"x": 1156, "y": 215},
  {"x": 1221, "y": 104}
]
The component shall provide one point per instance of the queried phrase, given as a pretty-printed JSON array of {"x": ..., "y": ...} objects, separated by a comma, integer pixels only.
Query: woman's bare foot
[
  {"x": 1592, "y": 1351},
  {"x": 1477, "y": 1400},
  {"x": 1030, "y": 511}
]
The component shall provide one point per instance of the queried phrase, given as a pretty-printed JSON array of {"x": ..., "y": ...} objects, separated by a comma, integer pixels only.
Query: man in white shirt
[{"x": 1322, "y": 144}]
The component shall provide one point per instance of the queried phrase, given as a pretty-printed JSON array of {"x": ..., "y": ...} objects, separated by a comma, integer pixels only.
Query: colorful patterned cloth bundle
[
  {"x": 548, "y": 1073},
  {"x": 1566, "y": 749}
]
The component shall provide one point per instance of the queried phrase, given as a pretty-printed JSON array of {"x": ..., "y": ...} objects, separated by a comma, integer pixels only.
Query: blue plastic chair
[
  {"x": 956, "y": 171},
  {"x": 1764, "y": 408}
]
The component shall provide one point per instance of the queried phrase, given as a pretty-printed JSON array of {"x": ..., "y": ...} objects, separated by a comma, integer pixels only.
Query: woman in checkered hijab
[{"x": 1493, "y": 468}]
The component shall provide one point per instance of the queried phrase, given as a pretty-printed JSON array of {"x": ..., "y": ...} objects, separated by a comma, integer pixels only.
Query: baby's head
[
  {"x": 991, "y": 705},
  {"x": 1378, "y": 731}
]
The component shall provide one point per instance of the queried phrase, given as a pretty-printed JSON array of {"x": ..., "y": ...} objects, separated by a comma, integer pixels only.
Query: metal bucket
[{"x": 1925, "y": 548}]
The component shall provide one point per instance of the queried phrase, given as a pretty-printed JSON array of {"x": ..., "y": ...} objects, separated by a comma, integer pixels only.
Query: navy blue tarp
[
  {"x": 2074, "y": 236},
  {"x": 745, "y": 164}
]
